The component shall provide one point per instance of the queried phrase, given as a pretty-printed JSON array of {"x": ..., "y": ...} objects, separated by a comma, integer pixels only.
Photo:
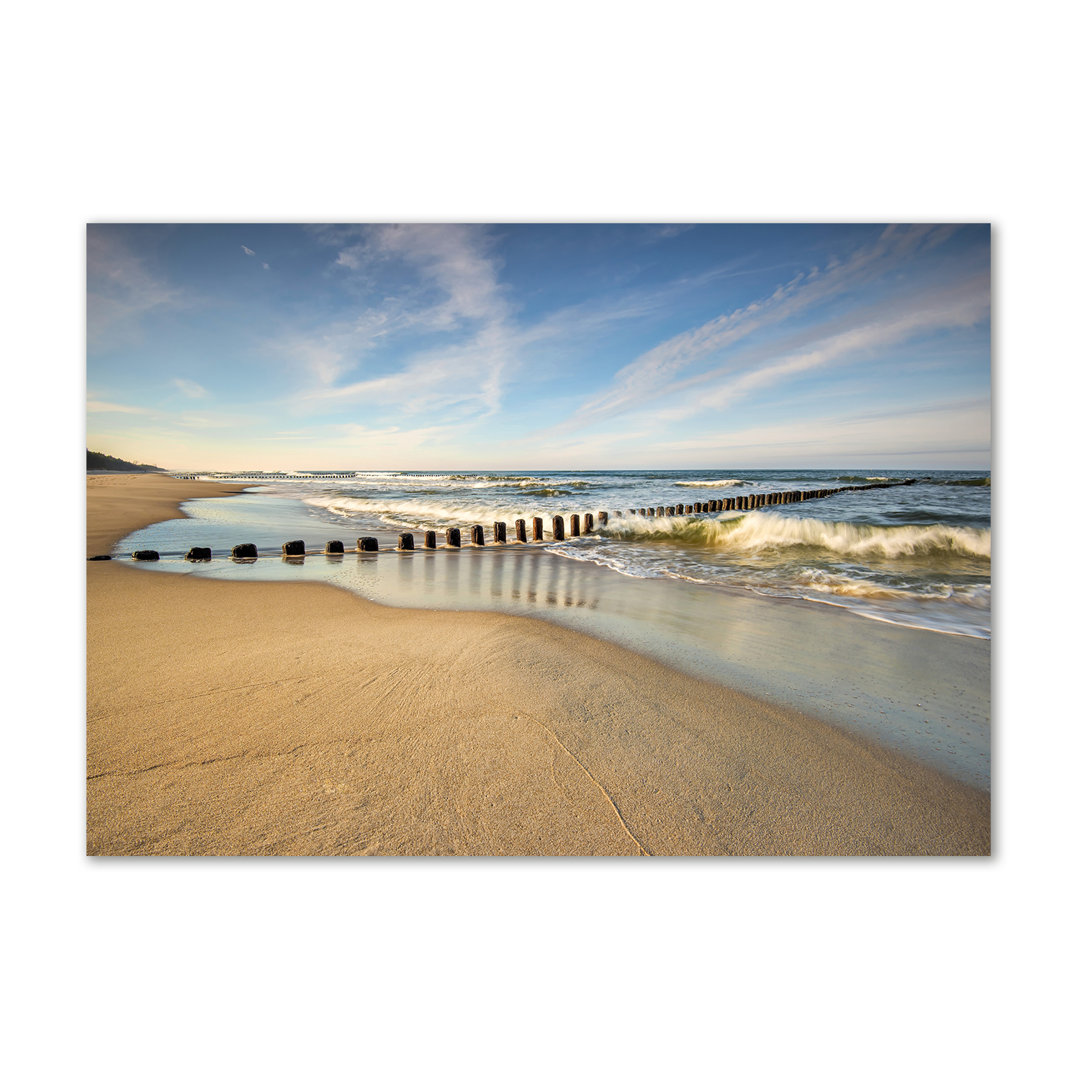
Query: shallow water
[{"x": 926, "y": 694}]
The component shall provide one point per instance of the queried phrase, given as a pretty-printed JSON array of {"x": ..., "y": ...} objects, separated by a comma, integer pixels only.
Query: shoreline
[{"x": 238, "y": 718}]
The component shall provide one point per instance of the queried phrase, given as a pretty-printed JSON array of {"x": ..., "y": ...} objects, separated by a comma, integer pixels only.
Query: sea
[{"x": 903, "y": 571}]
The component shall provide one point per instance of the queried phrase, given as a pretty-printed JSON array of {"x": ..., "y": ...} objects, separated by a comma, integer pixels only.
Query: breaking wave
[
  {"x": 709, "y": 483},
  {"x": 441, "y": 512},
  {"x": 762, "y": 532}
]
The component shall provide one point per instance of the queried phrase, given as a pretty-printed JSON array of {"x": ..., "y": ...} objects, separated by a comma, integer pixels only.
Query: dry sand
[{"x": 234, "y": 718}]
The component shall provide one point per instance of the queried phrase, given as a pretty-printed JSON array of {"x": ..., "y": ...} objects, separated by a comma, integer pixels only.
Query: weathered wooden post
[
  {"x": 429, "y": 539},
  {"x": 198, "y": 554},
  {"x": 587, "y": 524},
  {"x": 498, "y": 532},
  {"x": 575, "y": 525},
  {"x": 453, "y": 538},
  {"x": 519, "y": 531},
  {"x": 538, "y": 528},
  {"x": 367, "y": 543},
  {"x": 669, "y": 511},
  {"x": 557, "y": 528},
  {"x": 145, "y": 556},
  {"x": 405, "y": 542},
  {"x": 478, "y": 535},
  {"x": 293, "y": 547},
  {"x": 335, "y": 547},
  {"x": 245, "y": 551},
  {"x": 603, "y": 516}
]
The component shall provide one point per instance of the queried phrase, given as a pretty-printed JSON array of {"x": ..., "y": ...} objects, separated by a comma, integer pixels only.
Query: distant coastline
[{"x": 97, "y": 462}]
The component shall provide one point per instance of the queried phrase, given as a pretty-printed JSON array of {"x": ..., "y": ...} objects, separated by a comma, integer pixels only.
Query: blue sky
[{"x": 539, "y": 346}]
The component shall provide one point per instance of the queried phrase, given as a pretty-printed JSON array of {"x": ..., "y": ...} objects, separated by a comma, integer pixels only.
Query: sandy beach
[{"x": 235, "y": 718}]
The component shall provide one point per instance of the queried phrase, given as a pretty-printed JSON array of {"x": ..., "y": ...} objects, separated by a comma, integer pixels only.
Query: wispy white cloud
[
  {"x": 189, "y": 389},
  {"x": 859, "y": 436},
  {"x": 454, "y": 290},
  {"x": 962, "y": 305},
  {"x": 947, "y": 427},
  {"x": 665, "y": 232},
  {"x": 225, "y": 421},
  {"x": 641, "y": 380},
  {"x": 95, "y": 406},
  {"x": 120, "y": 288}
]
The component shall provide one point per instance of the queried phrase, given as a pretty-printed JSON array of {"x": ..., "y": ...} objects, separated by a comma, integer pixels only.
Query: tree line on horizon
[{"x": 98, "y": 462}]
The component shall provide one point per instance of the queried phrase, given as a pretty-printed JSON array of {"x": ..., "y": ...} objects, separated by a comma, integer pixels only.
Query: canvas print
[{"x": 538, "y": 539}]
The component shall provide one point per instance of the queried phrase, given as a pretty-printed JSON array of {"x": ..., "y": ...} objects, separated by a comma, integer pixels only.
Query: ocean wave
[
  {"x": 407, "y": 513},
  {"x": 709, "y": 483},
  {"x": 837, "y": 584},
  {"x": 982, "y": 481},
  {"x": 859, "y": 478},
  {"x": 416, "y": 513},
  {"x": 762, "y": 532},
  {"x": 470, "y": 482}
]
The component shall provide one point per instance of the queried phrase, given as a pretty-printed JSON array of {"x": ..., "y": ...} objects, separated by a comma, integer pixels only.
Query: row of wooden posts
[{"x": 580, "y": 524}]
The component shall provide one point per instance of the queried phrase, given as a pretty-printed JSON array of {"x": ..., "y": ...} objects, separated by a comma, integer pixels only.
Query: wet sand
[{"x": 228, "y": 718}]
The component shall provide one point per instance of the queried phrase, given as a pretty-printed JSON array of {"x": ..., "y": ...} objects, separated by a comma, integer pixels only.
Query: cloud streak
[
  {"x": 648, "y": 375},
  {"x": 189, "y": 389}
]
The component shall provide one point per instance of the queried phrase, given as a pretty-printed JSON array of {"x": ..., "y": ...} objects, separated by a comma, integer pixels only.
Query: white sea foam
[
  {"x": 756, "y": 531},
  {"x": 417, "y": 513},
  {"x": 709, "y": 483}
]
